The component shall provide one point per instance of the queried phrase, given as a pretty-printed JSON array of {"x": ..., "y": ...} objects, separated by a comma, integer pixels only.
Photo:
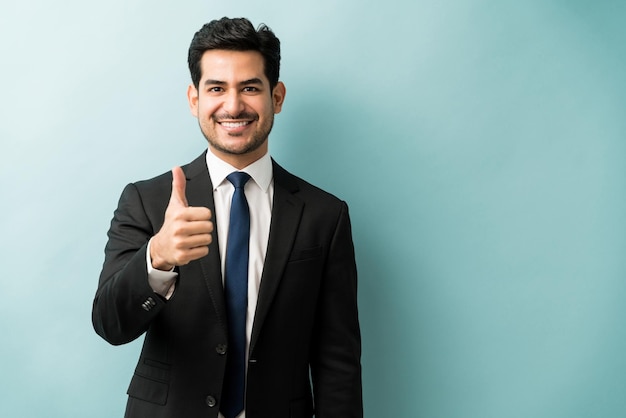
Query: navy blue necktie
[{"x": 236, "y": 293}]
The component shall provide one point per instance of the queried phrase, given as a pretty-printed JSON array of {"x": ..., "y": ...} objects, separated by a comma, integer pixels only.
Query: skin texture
[{"x": 234, "y": 105}]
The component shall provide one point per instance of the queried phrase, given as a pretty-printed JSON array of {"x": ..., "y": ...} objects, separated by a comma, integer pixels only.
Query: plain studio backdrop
[{"x": 480, "y": 145}]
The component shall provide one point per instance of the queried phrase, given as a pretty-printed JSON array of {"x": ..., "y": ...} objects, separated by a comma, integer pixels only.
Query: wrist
[
  {"x": 162, "y": 266},
  {"x": 157, "y": 262}
]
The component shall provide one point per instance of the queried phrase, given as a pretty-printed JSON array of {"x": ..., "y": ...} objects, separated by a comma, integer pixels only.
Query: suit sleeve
[
  {"x": 125, "y": 304},
  {"x": 336, "y": 351}
]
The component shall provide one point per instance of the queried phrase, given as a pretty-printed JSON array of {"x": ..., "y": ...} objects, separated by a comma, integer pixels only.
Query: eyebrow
[
  {"x": 251, "y": 81},
  {"x": 248, "y": 82}
]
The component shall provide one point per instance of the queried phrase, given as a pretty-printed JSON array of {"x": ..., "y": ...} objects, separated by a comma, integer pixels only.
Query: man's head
[
  {"x": 235, "y": 35},
  {"x": 235, "y": 90}
]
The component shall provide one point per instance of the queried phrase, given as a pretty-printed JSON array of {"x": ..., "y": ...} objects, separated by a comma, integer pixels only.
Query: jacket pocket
[{"x": 150, "y": 382}]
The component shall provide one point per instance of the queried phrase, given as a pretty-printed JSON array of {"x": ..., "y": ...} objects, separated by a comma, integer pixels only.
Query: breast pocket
[{"x": 305, "y": 254}]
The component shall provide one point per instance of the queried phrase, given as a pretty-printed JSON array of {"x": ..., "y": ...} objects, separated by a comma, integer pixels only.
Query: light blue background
[{"x": 480, "y": 146}]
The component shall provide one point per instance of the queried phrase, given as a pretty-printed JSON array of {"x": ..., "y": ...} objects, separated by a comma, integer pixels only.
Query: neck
[{"x": 239, "y": 161}]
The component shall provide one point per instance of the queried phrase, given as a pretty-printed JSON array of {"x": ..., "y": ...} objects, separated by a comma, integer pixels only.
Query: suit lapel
[
  {"x": 286, "y": 215},
  {"x": 200, "y": 193}
]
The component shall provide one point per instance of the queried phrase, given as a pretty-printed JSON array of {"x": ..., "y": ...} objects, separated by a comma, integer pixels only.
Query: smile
[{"x": 232, "y": 125}]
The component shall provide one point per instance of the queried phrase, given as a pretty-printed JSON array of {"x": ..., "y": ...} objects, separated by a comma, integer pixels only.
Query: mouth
[
  {"x": 235, "y": 125},
  {"x": 235, "y": 128}
]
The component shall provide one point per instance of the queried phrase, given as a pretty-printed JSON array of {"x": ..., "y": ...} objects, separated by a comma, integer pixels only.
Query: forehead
[{"x": 232, "y": 66}]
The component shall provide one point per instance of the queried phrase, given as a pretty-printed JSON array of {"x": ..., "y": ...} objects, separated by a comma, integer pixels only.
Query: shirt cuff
[{"x": 162, "y": 282}]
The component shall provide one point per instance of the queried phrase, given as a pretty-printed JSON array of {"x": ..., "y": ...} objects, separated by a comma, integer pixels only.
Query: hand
[{"x": 186, "y": 232}]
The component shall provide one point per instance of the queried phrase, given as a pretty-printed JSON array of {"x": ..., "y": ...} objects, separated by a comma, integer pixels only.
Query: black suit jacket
[{"x": 305, "y": 346}]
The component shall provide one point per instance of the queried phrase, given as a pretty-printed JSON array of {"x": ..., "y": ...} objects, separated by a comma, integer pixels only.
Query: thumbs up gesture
[{"x": 186, "y": 232}]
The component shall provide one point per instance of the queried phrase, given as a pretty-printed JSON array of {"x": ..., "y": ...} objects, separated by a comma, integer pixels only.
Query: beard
[{"x": 257, "y": 139}]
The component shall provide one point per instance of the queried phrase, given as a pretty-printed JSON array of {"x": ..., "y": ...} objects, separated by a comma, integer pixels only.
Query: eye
[
  {"x": 250, "y": 89},
  {"x": 215, "y": 89}
]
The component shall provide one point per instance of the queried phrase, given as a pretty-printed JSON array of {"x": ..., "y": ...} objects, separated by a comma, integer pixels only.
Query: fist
[{"x": 186, "y": 232}]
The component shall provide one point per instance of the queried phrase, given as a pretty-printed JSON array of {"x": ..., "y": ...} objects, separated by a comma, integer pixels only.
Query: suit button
[
  {"x": 221, "y": 349},
  {"x": 148, "y": 304},
  {"x": 210, "y": 401}
]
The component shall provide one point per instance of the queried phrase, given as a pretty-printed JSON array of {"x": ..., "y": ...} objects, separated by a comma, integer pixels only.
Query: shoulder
[{"x": 304, "y": 190}]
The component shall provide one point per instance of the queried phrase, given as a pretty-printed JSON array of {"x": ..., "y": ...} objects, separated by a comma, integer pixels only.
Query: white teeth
[{"x": 234, "y": 124}]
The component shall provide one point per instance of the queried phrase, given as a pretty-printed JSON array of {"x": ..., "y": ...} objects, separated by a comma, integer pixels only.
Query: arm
[
  {"x": 119, "y": 314},
  {"x": 336, "y": 350},
  {"x": 126, "y": 302}
]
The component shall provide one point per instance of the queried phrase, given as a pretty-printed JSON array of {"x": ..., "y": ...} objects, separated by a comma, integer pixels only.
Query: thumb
[{"x": 179, "y": 182}]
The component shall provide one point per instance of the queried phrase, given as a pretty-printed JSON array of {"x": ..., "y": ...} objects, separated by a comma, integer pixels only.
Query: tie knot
[{"x": 238, "y": 178}]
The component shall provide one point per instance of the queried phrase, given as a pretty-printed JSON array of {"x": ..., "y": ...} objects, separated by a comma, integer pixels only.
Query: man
[{"x": 245, "y": 283}]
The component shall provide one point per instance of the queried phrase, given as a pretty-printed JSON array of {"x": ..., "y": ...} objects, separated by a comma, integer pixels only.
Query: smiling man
[
  {"x": 235, "y": 104},
  {"x": 240, "y": 275}
]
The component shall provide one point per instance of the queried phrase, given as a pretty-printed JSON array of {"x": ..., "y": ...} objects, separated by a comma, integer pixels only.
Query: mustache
[{"x": 227, "y": 116}]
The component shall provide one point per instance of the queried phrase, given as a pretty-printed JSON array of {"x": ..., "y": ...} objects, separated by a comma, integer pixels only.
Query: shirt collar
[{"x": 260, "y": 171}]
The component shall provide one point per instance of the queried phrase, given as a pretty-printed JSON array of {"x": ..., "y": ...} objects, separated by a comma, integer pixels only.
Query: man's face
[{"x": 234, "y": 105}]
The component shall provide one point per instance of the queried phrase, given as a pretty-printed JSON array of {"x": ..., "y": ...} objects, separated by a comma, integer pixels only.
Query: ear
[
  {"x": 192, "y": 97},
  {"x": 278, "y": 96}
]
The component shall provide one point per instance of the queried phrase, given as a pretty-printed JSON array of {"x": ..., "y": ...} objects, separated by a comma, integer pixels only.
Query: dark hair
[{"x": 236, "y": 35}]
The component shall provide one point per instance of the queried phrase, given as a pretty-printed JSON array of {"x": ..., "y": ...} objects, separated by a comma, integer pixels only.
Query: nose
[{"x": 233, "y": 103}]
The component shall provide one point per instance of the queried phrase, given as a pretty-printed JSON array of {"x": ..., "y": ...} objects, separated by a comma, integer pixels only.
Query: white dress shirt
[{"x": 259, "y": 192}]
